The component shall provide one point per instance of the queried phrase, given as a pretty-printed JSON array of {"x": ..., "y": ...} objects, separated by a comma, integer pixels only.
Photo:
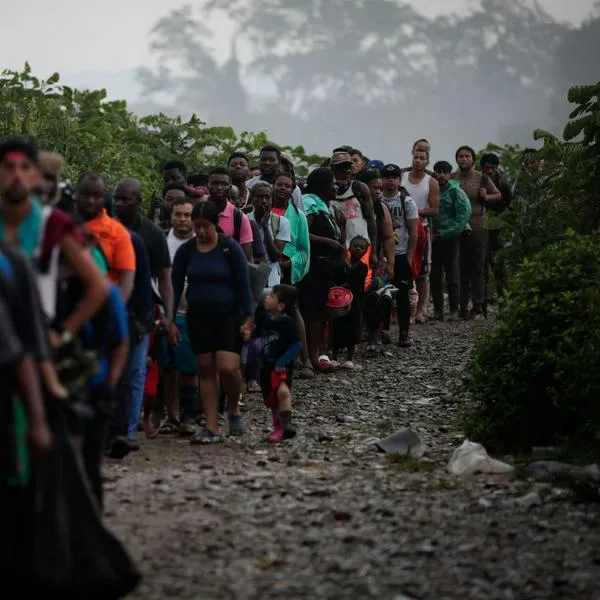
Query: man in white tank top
[{"x": 425, "y": 191}]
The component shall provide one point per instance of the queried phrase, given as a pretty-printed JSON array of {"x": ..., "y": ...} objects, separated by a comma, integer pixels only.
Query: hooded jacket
[{"x": 454, "y": 212}]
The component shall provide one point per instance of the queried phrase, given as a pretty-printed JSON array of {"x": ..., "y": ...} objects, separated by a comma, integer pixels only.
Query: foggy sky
[
  {"x": 99, "y": 45},
  {"x": 112, "y": 35}
]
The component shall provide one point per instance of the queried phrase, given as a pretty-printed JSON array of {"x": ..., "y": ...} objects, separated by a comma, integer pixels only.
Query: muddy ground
[{"x": 327, "y": 516}]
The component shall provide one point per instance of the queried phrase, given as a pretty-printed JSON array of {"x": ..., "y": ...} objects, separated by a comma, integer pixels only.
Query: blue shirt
[
  {"x": 216, "y": 281},
  {"x": 105, "y": 331}
]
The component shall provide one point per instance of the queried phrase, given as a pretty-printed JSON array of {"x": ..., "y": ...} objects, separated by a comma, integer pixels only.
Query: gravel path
[{"x": 326, "y": 516}]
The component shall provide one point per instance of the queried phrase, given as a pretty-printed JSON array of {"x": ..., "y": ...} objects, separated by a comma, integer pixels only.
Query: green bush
[{"x": 534, "y": 377}]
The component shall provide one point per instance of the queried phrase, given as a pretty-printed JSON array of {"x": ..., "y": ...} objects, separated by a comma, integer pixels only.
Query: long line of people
[{"x": 161, "y": 322}]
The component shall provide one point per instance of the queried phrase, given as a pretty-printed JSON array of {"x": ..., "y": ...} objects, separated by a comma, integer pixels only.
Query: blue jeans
[{"x": 137, "y": 366}]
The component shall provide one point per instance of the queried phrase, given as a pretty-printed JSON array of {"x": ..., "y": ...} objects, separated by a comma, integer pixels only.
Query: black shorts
[
  {"x": 265, "y": 379},
  {"x": 211, "y": 332}
]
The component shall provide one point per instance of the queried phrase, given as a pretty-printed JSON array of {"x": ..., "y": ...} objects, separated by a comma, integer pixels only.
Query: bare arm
[
  {"x": 31, "y": 395},
  {"x": 434, "y": 199},
  {"x": 95, "y": 287},
  {"x": 125, "y": 283},
  {"x": 271, "y": 245},
  {"x": 413, "y": 234},
  {"x": 368, "y": 212},
  {"x": 387, "y": 232},
  {"x": 247, "y": 248},
  {"x": 492, "y": 193},
  {"x": 165, "y": 288}
]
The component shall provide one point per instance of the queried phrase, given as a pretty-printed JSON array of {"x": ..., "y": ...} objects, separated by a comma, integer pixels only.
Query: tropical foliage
[
  {"x": 94, "y": 133},
  {"x": 533, "y": 378}
]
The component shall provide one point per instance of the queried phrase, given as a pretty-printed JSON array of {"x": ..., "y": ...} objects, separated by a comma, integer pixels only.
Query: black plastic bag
[{"x": 75, "y": 556}]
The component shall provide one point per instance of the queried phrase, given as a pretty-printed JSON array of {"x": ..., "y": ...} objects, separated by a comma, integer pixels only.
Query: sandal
[
  {"x": 253, "y": 387},
  {"x": 370, "y": 351},
  {"x": 170, "y": 427}
]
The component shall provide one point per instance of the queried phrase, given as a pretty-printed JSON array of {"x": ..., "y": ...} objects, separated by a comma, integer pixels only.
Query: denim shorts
[{"x": 180, "y": 357}]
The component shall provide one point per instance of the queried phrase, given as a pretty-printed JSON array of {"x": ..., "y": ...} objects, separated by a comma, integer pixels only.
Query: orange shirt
[{"x": 116, "y": 244}]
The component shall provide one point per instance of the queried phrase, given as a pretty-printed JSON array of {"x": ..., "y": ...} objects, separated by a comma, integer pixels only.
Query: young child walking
[{"x": 280, "y": 346}]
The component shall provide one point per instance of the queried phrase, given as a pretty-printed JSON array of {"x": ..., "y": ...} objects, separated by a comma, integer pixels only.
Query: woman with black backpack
[{"x": 220, "y": 311}]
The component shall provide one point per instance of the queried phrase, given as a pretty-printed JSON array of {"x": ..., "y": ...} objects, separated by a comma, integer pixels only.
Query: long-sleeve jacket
[{"x": 454, "y": 212}]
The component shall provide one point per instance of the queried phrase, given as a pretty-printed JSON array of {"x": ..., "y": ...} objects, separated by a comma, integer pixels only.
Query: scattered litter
[
  {"x": 405, "y": 441},
  {"x": 472, "y": 458}
]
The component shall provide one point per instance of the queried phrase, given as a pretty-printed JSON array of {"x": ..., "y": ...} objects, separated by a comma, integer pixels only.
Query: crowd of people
[{"x": 158, "y": 322}]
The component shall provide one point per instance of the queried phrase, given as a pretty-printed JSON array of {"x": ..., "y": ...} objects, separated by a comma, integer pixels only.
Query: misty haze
[{"x": 373, "y": 75}]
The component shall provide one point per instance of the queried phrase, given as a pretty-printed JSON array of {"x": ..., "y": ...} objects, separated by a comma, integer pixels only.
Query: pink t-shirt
[{"x": 226, "y": 224}]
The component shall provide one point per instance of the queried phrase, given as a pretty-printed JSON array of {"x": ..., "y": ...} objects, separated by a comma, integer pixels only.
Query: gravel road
[{"x": 327, "y": 516}]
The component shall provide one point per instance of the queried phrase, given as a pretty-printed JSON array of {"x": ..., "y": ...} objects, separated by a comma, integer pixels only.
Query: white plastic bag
[{"x": 472, "y": 458}]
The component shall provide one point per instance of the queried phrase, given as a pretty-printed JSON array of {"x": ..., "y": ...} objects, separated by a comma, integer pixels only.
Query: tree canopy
[
  {"x": 93, "y": 133},
  {"x": 348, "y": 65}
]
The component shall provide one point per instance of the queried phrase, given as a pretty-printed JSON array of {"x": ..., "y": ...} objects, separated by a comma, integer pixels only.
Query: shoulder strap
[
  {"x": 276, "y": 222},
  {"x": 237, "y": 224},
  {"x": 187, "y": 249},
  {"x": 225, "y": 245}
]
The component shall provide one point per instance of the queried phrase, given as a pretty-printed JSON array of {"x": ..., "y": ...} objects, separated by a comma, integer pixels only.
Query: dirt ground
[{"x": 327, "y": 516}]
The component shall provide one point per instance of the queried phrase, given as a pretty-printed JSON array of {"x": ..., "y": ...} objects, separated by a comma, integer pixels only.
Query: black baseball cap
[{"x": 391, "y": 170}]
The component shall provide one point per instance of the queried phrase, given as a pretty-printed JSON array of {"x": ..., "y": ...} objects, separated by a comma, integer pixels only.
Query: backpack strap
[
  {"x": 225, "y": 245},
  {"x": 187, "y": 249},
  {"x": 276, "y": 223},
  {"x": 237, "y": 224}
]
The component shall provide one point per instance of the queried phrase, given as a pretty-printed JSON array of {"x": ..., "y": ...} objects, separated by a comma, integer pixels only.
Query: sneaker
[
  {"x": 438, "y": 315},
  {"x": 134, "y": 445},
  {"x": 236, "y": 425},
  {"x": 187, "y": 427},
  {"x": 371, "y": 351},
  {"x": 404, "y": 341},
  {"x": 476, "y": 314},
  {"x": 206, "y": 436},
  {"x": 119, "y": 448}
]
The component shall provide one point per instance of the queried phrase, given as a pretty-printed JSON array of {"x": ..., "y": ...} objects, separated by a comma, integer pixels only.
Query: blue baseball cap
[{"x": 375, "y": 164}]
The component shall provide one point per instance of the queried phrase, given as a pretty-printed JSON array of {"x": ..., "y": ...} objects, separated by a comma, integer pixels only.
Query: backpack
[
  {"x": 259, "y": 274},
  {"x": 238, "y": 216}
]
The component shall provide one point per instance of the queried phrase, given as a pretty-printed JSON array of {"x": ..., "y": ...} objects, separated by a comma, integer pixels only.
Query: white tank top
[{"x": 419, "y": 192}]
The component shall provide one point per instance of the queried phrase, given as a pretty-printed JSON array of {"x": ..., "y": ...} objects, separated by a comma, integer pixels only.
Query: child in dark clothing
[
  {"x": 280, "y": 346},
  {"x": 346, "y": 330}
]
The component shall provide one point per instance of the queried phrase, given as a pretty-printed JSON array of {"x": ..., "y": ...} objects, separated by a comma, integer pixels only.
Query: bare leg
[
  {"x": 423, "y": 301},
  {"x": 230, "y": 375},
  {"x": 209, "y": 389}
]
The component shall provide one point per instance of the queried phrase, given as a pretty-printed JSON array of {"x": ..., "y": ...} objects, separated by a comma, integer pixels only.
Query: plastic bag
[
  {"x": 471, "y": 458},
  {"x": 75, "y": 556}
]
